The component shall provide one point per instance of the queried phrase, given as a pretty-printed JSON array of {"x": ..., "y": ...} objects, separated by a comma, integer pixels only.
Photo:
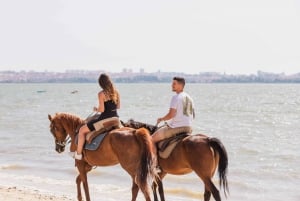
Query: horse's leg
[
  {"x": 86, "y": 187},
  {"x": 146, "y": 194},
  {"x": 83, "y": 168},
  {"x": 210, "y": 187},
  {"x": 145, "y": 190},
  {"x": 160, "y": 185},
  {"x": 161, "y": 190},
  {"x": 207, "y": 195},
  {"x": 154, "y": 186},
  {"x": 78, "y": 182},
  {"x": 134, "y": 190}
]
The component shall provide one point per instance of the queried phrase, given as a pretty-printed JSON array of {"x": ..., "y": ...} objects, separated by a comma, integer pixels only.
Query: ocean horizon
[{"x": 257, "y": 123}]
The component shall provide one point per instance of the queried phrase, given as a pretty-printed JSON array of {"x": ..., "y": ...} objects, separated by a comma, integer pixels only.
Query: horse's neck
[
  {"x": 72, "y": 125},
  {"x": 151, "y": 128}
]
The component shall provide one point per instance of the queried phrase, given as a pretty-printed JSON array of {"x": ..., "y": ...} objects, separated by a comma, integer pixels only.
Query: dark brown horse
[
  {"x": 131, "y": 148},
  {"x": 198, "y": 153}
]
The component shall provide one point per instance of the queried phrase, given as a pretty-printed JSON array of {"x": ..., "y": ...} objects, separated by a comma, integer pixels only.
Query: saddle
[
  {"x": 94, "y": 138},
  {"x": 107, "y": 125},
  {"x": 166, "y": 146}
]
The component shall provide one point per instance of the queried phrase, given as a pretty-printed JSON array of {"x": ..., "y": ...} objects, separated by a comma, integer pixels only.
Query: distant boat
[
  {"x": 40, "y": 91},
  {"x": 74, "y": 92}
]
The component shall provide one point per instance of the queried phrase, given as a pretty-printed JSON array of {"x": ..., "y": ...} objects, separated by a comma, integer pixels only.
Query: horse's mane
[
  {"x": 65, "y": 115},
  {"x": 136, "y": 124},
  {"x": 69, "y": 118}
]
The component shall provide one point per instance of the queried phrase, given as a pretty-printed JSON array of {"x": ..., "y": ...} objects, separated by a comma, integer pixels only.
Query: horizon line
[{"x": 128, "y": 70}]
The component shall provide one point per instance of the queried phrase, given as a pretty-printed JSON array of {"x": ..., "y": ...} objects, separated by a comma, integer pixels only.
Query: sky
[{"x": 189, "y": 36}]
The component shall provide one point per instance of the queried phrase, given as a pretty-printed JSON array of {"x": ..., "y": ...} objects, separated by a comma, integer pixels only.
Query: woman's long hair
[{"x": 108, "y": 87}]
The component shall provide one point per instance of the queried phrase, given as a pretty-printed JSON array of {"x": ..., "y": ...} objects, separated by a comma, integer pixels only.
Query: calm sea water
[{"x": 258, "y": 124}]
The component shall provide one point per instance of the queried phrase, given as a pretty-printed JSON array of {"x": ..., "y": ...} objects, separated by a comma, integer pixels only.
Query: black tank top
[{"x": 110, "y": 110}]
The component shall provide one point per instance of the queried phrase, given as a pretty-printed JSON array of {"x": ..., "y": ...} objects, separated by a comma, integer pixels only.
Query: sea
[{"x": 259, "y": 125}]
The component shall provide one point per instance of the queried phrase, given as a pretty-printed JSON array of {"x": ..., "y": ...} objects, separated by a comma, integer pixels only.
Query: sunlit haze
[{"x": 192, "y": 36}]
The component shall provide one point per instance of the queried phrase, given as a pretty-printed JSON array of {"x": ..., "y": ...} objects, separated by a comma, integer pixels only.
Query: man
[{"x": 181, "y": 114}]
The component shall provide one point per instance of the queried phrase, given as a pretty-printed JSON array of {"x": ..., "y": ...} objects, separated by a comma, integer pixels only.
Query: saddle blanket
[
  {"x": 166, "y": 146},
  {"x": 95, "y": 143}
]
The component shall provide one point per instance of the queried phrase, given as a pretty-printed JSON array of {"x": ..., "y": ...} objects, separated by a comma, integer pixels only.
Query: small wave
[
  {"x": 185, "y": 193},
  {"x": 12, "y": 167}
]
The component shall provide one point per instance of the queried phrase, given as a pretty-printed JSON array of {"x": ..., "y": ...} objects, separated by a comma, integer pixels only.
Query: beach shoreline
[{"x": 13, "y": 193}]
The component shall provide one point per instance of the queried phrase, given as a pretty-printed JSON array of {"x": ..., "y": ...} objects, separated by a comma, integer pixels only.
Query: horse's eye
[{"x": 53, "y": 129}]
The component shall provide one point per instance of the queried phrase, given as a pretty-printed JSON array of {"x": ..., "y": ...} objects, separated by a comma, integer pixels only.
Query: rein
[
  {"x": 91, "y": 114},
  {"x": 68, "y": 140}
]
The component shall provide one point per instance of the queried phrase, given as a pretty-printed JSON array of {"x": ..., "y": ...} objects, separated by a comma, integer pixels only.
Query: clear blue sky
[{"x": 232, "y": 36}]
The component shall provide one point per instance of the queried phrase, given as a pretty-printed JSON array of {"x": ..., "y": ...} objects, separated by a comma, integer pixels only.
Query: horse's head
[{"x": 59, "y": 132}]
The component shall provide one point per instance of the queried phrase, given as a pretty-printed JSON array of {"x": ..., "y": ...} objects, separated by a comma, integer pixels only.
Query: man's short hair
[{"x": 180, "y": 80}]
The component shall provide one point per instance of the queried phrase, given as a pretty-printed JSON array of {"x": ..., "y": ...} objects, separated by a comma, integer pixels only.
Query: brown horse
[
  {"x": 198, "y": 153},
  {"x": 131, "y": 148}
]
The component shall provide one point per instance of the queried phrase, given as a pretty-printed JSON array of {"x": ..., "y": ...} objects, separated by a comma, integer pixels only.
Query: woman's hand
[{"x": 95, "y": 109}]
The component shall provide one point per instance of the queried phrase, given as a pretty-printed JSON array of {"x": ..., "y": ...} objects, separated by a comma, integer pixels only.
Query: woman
[{"x": 108, "y": 103}]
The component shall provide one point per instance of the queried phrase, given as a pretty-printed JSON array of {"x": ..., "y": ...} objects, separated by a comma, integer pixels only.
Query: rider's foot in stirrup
[
  {"x": 78, "y": 156},
  {"x": 75, "y": 155}
]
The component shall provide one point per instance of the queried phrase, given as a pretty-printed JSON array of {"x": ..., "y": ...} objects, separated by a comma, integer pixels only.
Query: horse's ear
[{"x": 49, "y": 117}]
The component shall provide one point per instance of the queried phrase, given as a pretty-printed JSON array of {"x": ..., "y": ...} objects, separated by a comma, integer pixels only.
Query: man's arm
[{"x": 168, "y": 116}]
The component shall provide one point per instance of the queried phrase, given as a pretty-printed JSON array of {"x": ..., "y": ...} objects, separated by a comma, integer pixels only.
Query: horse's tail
[
  {"x": 218, "y": 146},
  {"x": 146, "y": 171}
]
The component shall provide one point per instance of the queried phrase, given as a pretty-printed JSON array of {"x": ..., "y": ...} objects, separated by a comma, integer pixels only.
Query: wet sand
[{"x": 14, "y": 193}]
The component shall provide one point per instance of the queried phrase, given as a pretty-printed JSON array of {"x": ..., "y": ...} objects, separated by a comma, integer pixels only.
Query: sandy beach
[{"x": 14, "y": 193}]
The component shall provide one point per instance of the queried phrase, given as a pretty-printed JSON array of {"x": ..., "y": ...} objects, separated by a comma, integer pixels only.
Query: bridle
[{"x": 59, "y": 143}]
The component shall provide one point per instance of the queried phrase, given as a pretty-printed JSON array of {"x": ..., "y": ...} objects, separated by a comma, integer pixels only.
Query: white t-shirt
[{"x": 184, "y": 106}]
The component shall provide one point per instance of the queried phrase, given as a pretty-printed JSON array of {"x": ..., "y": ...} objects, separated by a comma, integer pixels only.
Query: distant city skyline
[
  {"x": 141, "y": 70},
  {"x": 128, "y": 76},
  {"x": 232, "y": 37}
]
